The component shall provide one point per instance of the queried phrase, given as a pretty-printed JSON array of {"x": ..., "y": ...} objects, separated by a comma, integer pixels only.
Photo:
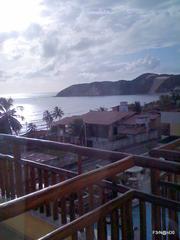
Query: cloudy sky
[{"x": 46, "y": 45}]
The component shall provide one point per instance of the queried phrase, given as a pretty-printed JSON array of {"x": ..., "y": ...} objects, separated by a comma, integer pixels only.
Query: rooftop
[{"x": 96, "y": 117}]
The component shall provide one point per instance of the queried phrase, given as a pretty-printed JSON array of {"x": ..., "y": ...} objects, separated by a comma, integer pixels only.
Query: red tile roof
[
  {"x": 106, "y": 117},
  {"x": 132, "y": 119},
  {"x": 96, "y": 117},
  {"x": 67, "y": 120}
]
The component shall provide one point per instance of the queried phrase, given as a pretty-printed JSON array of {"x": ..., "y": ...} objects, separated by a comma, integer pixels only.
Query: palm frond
[{"x": 15, "y": 124}]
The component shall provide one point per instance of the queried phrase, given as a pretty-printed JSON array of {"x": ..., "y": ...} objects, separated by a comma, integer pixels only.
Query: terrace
[{"x": 61, "y": 204}]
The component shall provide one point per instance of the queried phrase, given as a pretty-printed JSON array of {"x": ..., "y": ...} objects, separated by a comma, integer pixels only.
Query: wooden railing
[
  {"x": 168, "y": 182},
  {"x": 33, "y": 176},
  {"x": 21, "y": 176},
  {"x": 114, "y": 220},
  {"x": 80, "y": 197},
  {"x": 19, "y": 144},
  {"x": 168, "y": 152},
  {"x": 67, "y": 198},
  {"x": 67, "y": 193}
]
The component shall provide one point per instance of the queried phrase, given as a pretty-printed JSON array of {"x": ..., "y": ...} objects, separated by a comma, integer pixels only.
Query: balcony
[{"x": 75, "y": 204}]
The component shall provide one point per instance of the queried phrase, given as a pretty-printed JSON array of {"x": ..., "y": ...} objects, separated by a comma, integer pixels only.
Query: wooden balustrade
[
  {"x": 170, "y": 146},
  {"x": 168, "y": 151},
  {"x": 76, "y": 200},
  {"x": 119, "y": 211},
  {"x": 82, "y": 153},
  {"x": 77, "y": 195},
  {"x": 170, "y": 155},
  {"x": 65, "y": 147},
  {"x": 154, "y": 163},
  {"x": 34, "y": 176},
  {"x": 63, "y": 189}
]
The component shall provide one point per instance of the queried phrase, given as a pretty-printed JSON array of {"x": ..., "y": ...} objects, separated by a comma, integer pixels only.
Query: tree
[
  {"x": 136, "y": 107},
  {"x": 10, "y": 116},
  {"x": 77, "y": 129},
  {"x": 57, "y": 113},
  {"x": 165, "y": 101},
  {"x": 175, "y": 96},
  {"x": 102, "y": 109},
  {"x": 48, "y": 118},
  {"x": 32, "y": 127}
]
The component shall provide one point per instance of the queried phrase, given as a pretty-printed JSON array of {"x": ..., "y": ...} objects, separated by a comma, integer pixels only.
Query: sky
[{"x": 47, "y": 45}]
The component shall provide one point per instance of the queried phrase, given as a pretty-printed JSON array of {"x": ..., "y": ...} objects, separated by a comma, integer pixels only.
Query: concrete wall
[
  {"x": 104, "y": 143},
  {"x": 173, "y": 118},
  {"x": 175, "y": 129},
  {"x": 170, "y": 117}
]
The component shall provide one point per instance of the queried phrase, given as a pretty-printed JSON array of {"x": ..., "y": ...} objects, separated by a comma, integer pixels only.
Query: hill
[{"x": 147, "y": 83}]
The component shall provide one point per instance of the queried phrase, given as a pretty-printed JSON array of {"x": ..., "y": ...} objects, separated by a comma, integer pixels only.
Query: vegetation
[
  {"x": 9, "y": 116},
  {"x": 49, "y": 117},
  {"x": 57, "y": 113},
  {"x": 136, "y": 107},
  {"x": 31, "y": 127},
  {"x": 166, "y": 102},
  {"x": 77, "y": 129},
  {"x": 102, "y": 109}
]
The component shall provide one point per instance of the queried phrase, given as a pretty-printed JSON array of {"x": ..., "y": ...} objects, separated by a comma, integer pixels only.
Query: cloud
[
  {"x": 33, "y": 31},
  {"x": 3, "y": 76},
  {"x": 8, "y": 35},
  {"x": 153, "y": 4},
  {"x": 114, "y": 70},
  {"x": 81, "y": 41},
  {"x": 147, "y": 63},
  {"x": 50, "y": 46}
]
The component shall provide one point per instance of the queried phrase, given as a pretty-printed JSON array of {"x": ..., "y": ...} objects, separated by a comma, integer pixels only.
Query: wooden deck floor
[{"x": 24, "y": 226}]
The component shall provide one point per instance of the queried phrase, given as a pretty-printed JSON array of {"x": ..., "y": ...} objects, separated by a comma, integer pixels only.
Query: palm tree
[
  {"x": 102, "y": 109},
  {"x": 31, "y": 127},
  {"x": 57, "y": 113},
  {"x": 9, "y": 115},
  {"x": 48, "y": 118}
]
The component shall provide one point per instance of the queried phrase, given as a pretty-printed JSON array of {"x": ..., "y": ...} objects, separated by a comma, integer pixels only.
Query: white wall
[
  {"x": 170, "y": 117},
  {"x": 104, "y": 143}
]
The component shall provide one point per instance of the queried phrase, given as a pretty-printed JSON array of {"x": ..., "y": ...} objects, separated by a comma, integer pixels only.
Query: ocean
[{"x": 35, "y": 104}]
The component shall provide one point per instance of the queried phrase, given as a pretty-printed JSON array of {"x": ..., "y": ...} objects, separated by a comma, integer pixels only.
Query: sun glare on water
[{"x": 16, "y": 15}]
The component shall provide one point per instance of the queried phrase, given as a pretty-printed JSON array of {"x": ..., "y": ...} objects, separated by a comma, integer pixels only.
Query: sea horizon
[{"x": 53, "y": 94}]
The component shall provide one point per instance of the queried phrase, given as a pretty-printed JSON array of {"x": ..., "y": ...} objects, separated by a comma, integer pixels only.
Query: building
[
  {"x": 111, "y": 130},
  {"x": 171, "y": 118}
]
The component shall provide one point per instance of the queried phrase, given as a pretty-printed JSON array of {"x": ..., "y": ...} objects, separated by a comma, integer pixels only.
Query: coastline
[{"x": 34, "y": 106}]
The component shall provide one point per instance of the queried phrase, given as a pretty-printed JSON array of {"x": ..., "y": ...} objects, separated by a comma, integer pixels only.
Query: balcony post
[
  {"x": 156, "y": 211},
  {"x": 143, "y": 225},
  {"x": 18, "y": 170},
  {"x": 79, "y": 163}
]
